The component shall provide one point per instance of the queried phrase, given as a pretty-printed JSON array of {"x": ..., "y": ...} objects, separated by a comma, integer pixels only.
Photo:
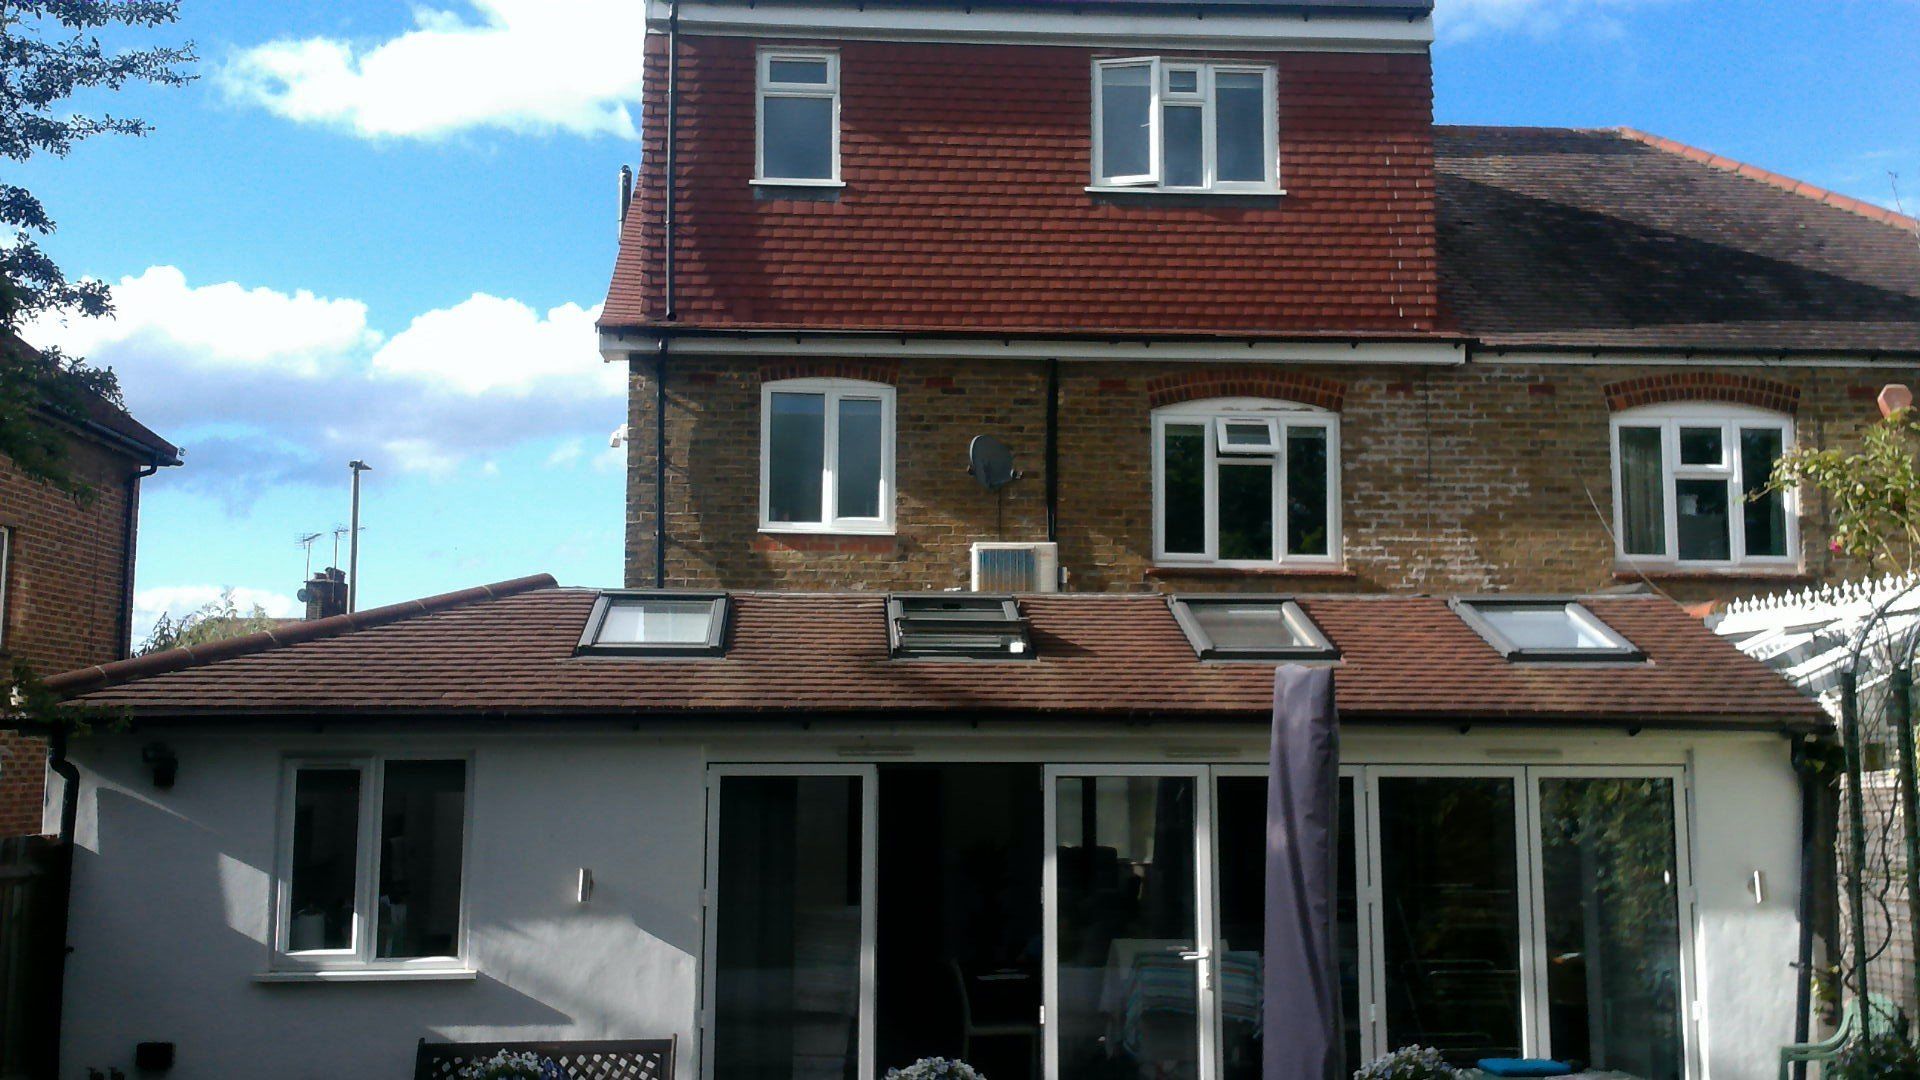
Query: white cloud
[
  {"x": 535, "y": 66},
  {"x": 268, "y": 387},
  {"x": 177, "y": 601},
  {"x": 1458, "y": 19}
]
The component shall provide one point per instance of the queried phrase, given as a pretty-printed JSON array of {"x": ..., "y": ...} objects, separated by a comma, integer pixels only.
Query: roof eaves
[
  {"x": 1772, "y": 179},
  {"x": 120, "y": 672}
]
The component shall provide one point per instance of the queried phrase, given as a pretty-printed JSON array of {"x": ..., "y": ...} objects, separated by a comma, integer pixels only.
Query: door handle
[{"x": 1201, "y": 958}]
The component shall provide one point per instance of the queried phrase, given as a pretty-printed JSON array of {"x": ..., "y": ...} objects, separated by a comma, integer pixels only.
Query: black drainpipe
[
  {"x": 1053, "y": 451},
  {"x": 69, "y": 776},
  {"x": 131, "y": 537},
  {"x": 672, "y": 311}
]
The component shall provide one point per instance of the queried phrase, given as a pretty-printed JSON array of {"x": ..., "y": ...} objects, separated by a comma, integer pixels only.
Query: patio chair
[
  {"x": 1885, "y": 1011},
  {"x": 628, "y": 1059}
]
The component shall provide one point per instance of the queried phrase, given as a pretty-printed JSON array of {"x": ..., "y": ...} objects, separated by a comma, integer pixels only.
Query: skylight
[
  {"x": 957, "y": 625},
  {"x": 1544, "y": 629},
  {"x": 656, "y": 624},
  {"x": 1250, "y": 628}
]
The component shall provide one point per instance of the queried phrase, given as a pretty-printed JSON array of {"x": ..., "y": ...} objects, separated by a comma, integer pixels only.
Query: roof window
[
  {"x": 1250, "y": 628},
  {"x": 957, "y": 624},
  {"x": 656, "y": 624},
  {"x": 1544, "y": 629}
]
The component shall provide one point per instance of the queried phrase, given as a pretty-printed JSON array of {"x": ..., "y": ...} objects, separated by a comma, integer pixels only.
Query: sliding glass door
[
  {"x": 790, "y": 926},
  {"x": 1130, "y": 977}
]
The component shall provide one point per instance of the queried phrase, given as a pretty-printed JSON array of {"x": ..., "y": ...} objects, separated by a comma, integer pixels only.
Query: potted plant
[
  {"x": 1410, "y": 1063},
  {"x": 936, "y": 1068},
  {"x": 1884, "y": 1055},
  {"x": 512, "y": 1065}
]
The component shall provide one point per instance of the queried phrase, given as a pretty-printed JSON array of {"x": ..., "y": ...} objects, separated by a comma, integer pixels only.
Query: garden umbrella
[{"x": 1300, "y": 1024}]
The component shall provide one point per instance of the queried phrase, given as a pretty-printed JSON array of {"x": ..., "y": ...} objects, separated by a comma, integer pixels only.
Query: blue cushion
[{"x": 1524, "y": 1067}]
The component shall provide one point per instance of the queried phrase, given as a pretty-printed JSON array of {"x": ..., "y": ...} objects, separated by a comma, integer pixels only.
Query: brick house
[
  {"x": 66, "y": 575},
  {"x": 1280, "y": 364}
]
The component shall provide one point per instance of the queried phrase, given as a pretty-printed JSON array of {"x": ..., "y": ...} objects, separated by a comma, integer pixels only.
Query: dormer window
[
  {"x": 798, "y": 118},
  {"x": 1175, "y": 125}
]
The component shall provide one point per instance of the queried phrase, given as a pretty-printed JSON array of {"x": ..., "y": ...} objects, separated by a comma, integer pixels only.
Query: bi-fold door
[{"x": 1489, "y": 911}]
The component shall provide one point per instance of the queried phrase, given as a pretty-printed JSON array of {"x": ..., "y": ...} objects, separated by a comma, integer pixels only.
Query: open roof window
[
  {"x": 1544, "y": 629},
  {"x": 1250, "y": 628},
  {"x": 656, "y": 624},
  {"x": 957, "y": 624}
]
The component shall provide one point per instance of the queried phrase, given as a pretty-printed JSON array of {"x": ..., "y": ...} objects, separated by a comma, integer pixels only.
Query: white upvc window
[
  {"x": 826, "y": 456},
  {"x": 1687, "y": 482},
  {"x": 1246, "y": 483},
  {"x": 372, "y": 864},
  {"x": 1180, "y": 125},
  {"x": 797, "y": 118}
]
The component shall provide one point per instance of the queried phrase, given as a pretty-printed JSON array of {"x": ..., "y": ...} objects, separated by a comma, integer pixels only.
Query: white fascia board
[
  {"x": 617, "y": 345},
  {"x": 1220, "y": 29},
  {"x": 1602, "y": 357}
]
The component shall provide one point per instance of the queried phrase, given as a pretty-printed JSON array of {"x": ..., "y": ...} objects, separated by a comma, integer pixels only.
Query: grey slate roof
[{"x": 1556, "y": 237}]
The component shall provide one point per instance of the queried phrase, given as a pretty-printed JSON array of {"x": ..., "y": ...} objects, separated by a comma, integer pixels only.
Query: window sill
[
  {"x": 1228, "y": 193},
  {"x": 1204, "y": 570},
  {"x": 823, "y": 530},
  {"x": 352, "y": 975},
  {"x": 1670, "y": 572},
  {"x": 797, "y": 183}
]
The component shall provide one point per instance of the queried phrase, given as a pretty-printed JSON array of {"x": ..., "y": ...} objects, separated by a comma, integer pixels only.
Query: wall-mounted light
[
  {"x": 163, "y": 761},
  {"x": 583, "y": 889}
]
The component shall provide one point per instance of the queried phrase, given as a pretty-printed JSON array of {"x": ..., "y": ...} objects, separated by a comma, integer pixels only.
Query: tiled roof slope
[
  {"x": 965, "y": 206},
  {"x": 1568, "y": 238},
  {"x": 1098, "y": 656},
  {"x": 109, "y": 421}
]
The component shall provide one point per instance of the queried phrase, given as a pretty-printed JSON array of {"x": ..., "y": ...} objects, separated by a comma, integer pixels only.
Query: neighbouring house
[
  {"x": 1251, "y": 363},
  {"x": 66, "y": 573}
]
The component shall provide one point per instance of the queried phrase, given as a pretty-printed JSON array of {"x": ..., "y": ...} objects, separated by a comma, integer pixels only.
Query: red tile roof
[
  {"x": 508, "y": 650},
  {"x": 966, "y": 205}
]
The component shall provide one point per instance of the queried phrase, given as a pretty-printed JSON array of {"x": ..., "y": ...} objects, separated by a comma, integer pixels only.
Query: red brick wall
[
  {"x": 1455, "y": 480},
  {"x": 66, "y": 590},
  {"x": 965, "y": 206}
]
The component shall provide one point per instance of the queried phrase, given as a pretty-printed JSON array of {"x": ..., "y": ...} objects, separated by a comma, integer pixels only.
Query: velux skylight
[
  {"x": 656, "y": 624},
  {"x": 957, "y": 625},
  {"x": 1250, "y": 628},
  {"x": 1533, "y": 628}
]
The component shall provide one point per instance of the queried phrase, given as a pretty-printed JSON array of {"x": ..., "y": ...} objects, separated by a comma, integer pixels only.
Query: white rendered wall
[{"x": 170, "y": 912}]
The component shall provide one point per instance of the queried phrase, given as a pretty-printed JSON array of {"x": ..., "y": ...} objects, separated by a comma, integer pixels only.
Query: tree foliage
[
  {"x": 50, "y": 50},
  {"x": 216, "y": 620},
  {"x": 1873, "y": 493}
]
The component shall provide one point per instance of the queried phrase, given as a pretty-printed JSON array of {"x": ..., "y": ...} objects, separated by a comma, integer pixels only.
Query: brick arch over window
[
  {"x": 1284, "y": 385},
  {"x": 874, "y": 371},
  {"x": 1703, "y": 386}
]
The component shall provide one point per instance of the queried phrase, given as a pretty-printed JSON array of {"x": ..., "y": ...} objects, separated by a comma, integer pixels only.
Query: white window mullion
[
  {"x": 829, "y": 458},
  {"x": 1280, "y": 548},
  {"x": 1209, "y": 135},
  {"x": 1156, "y": 130},
  {"x": 1669, "y": 464},
  {"x": 1211, "y": 486},
  {"x": 366, "y": 914}
]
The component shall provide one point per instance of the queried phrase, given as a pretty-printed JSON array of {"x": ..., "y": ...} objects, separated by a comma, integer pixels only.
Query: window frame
[
  {"x": 1731, "y": 419},
  {"x": 6, "y": 576},
  {"x": 715, "y": 644},
  {"x": 1619, "y": 649},
  {"x": 1205, "y": 98},
  {"x": 1207, "y": 413},
  {"x": 359, "y": 957},
  {"x": 834, "y": 391},
  {"x": 1317, "y": 645},
  {"x": 1009, "y": 621},
  {"x": 765, "y": 87}
]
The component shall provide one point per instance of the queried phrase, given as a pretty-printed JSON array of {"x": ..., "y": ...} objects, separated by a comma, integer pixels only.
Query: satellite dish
[{"x": 991, "y": 462}]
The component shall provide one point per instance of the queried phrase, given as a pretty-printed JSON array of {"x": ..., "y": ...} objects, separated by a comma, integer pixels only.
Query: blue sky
[{"x": 379, "y": 229}]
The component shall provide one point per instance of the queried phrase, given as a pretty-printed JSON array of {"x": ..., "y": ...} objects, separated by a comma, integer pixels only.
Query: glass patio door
[{"x": 1130, "y": 968}]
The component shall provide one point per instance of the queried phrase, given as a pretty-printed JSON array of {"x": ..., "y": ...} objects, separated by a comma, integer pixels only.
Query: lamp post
[{"x": 353, "y": 538}]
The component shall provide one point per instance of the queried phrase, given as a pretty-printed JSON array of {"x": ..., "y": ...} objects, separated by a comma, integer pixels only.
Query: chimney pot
[{"x": 326, "y": 594}]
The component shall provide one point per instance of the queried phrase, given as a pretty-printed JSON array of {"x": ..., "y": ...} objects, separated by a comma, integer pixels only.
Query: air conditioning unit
[{"x": 1016, "y": 568}]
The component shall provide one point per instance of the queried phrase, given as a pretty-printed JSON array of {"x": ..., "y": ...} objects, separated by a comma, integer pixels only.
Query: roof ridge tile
[
  {"x": 1772, "y": 179},
  {"x": 132, "y": 669}
]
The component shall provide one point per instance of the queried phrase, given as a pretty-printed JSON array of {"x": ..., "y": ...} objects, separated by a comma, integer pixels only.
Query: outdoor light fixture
[
  {"x": 583, "y": 887},
  {"x": 163, "y": 761}
]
